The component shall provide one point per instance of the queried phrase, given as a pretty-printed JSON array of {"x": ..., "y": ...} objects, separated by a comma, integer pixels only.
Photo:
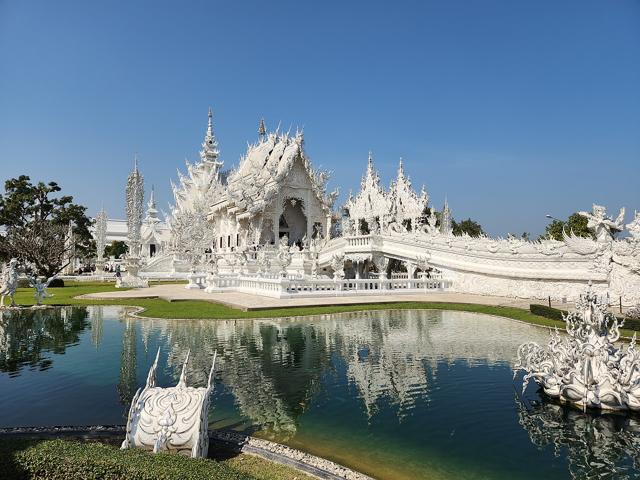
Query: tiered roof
[
  {"x": 399, "y": 204},
  {"x": 254, "y": 184}
]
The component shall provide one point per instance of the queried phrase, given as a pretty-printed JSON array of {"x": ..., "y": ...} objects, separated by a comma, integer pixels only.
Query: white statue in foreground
[
  {"x": 585, "y": 368},
  {"x": 9, "y": 282},
  {"x": 173, "y": 419},
  {"x": 40, "y": 288}
]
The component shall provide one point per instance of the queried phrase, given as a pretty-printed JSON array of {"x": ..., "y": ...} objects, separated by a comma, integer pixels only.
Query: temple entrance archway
[{"x": 293, "y": 221}]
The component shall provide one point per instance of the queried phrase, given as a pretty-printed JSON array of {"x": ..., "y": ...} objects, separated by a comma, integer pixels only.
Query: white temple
[{"x": 269, "y": 227}]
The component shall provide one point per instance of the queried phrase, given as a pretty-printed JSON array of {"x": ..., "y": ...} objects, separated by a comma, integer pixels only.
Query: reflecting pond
[{"x": 397, "y": 395}]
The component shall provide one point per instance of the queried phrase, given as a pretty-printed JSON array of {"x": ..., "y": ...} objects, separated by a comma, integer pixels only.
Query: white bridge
[{"x": 361, "y": 265}]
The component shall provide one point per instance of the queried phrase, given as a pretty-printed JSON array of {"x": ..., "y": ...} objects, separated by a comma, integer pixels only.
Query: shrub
[
  {"x": 547, "y": 312},
  {"x": 57, "y": 283},
  {"x": 66, "y": 460},
  {"x": 556, "y": 314}
]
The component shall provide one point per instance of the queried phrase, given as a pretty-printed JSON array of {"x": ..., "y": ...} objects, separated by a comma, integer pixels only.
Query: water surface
[{"x": 398, "y": 395}]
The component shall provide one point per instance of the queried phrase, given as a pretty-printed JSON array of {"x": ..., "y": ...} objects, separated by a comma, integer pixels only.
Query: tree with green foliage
[
  {"x": 116, "y": 250},
  {"x": 468, "y": 226},
  {"x": 576, "y": 223},
  {"x": 34, "y": 222}
]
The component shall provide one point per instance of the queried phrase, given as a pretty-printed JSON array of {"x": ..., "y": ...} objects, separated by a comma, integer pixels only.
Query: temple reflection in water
[{"x": 346, "y": 382}]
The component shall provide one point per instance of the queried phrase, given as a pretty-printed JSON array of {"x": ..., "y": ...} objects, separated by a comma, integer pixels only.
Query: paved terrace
[{"x": 246, "y": 302}]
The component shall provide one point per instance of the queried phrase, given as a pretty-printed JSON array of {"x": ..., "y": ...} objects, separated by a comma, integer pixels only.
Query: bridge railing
[{"x": 307, "y": 286}]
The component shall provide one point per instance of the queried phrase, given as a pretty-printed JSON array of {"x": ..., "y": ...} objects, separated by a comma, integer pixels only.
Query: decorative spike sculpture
[
  {"x": 173, "y": 419},
  {"x": 585, "y": 368},
  {"x": 101, "y": 239}
]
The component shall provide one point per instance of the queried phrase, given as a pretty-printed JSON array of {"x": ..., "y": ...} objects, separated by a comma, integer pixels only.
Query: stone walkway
[{"x": 245, "y": 301}]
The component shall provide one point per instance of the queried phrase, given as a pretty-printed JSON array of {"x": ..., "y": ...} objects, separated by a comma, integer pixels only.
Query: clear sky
[{"x": 512, "y": 109}]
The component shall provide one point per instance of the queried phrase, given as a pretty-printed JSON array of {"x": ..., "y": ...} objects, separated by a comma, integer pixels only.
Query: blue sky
[{"x": 512, "y": 109}]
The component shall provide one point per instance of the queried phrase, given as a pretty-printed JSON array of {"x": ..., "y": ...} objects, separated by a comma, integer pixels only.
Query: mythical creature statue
[
  {"x": 40, "y": 288},
  {"x": 173, "y": 419},
  {"x": 396, "y": 228},
  {"x": 633, "y": 313},
  {"x": 9, "y": 282},
  {"x": 603, "y": 226},
  {"x": 634, "y": 226},
  {"x": 337, "y": 264},
  {"x": 284, "y": 255},
  {"x": 586, "y": 369}
]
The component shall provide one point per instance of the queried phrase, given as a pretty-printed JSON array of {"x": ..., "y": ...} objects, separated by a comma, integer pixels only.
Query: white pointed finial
[
  {"x": 183, "y": 375},
  {"x": 262, "y": 130},
  {"x": 213, "y": 369},
  {"x": 151, "y": 376},
  {"x": 210, "y": 123}
]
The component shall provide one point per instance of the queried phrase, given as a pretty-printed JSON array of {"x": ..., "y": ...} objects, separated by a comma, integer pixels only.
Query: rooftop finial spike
[
  {"x": 262, "y": 130},
  {"x": 210, "y": 124}
]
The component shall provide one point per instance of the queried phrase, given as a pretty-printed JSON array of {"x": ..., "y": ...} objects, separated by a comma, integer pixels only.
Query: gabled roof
[{"x": 254, "y": 184}]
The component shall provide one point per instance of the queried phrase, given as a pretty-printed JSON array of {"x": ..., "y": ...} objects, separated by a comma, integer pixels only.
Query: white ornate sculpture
[
  {"x": 134, "y": 208},
  {"x": 371, "y": 203},
  {"x": 406, "y": 206},
  {"x": 173, "y": 419},
  {"x": 284, "y": 255},
  {"x": 101, "y": 238},
  {"x": 603, "y": 225},
  {"x": 40, "y": 288},
  {"x": 337, "y": 265},
  {"x": 446, "y": 220},
  {"x": 585, "y": 368},
  {"x": 9, "y": 282},
  {"x": 634, "y": 226}
]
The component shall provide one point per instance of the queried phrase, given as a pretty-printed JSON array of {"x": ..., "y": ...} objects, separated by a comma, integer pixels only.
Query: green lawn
[
  {"x": 196, "y": 309},
  {"x": 204, "y": 310},
  {"x": 76, "y": 460}
]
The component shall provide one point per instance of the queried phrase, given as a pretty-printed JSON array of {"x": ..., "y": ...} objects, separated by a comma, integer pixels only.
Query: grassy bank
[
  {"x": 204, "y": 310},
  {"x": 196, "y": 309},
  {"x": 74, "y": 460}
]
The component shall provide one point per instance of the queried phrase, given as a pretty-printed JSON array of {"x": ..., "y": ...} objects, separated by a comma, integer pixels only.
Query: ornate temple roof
[
  {"x": 203, "y": 180},
  {"x": 400, "y": 203},
  {"x": 405, "y": 203},
  {"x": 254, "y": 184},
  {"x": 372, "y": 201}
]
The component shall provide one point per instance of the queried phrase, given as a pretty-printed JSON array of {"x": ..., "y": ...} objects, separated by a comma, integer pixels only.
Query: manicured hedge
[
  {"x": 66, "y": 460},
  {"x": 547, "y": 312},
  {"x": 556, "y": 314}
]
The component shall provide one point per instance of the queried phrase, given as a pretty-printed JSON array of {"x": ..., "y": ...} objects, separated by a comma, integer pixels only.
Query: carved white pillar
[
  {"x": 327, "y": 233},
  {"x": 276, "y": 226}
]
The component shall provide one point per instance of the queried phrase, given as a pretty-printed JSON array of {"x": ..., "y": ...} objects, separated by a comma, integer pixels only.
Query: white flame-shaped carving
[{"x": 585, "y": 368}]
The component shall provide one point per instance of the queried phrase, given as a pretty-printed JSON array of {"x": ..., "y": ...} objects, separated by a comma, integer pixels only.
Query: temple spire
[
  {"x": 262, "y": 130},
  {"x": 401, "y": 169},
  {"x": 210, "y": 150},
  {"x": 152, "y": 211},
  {"x": 446, "y": 219}
]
